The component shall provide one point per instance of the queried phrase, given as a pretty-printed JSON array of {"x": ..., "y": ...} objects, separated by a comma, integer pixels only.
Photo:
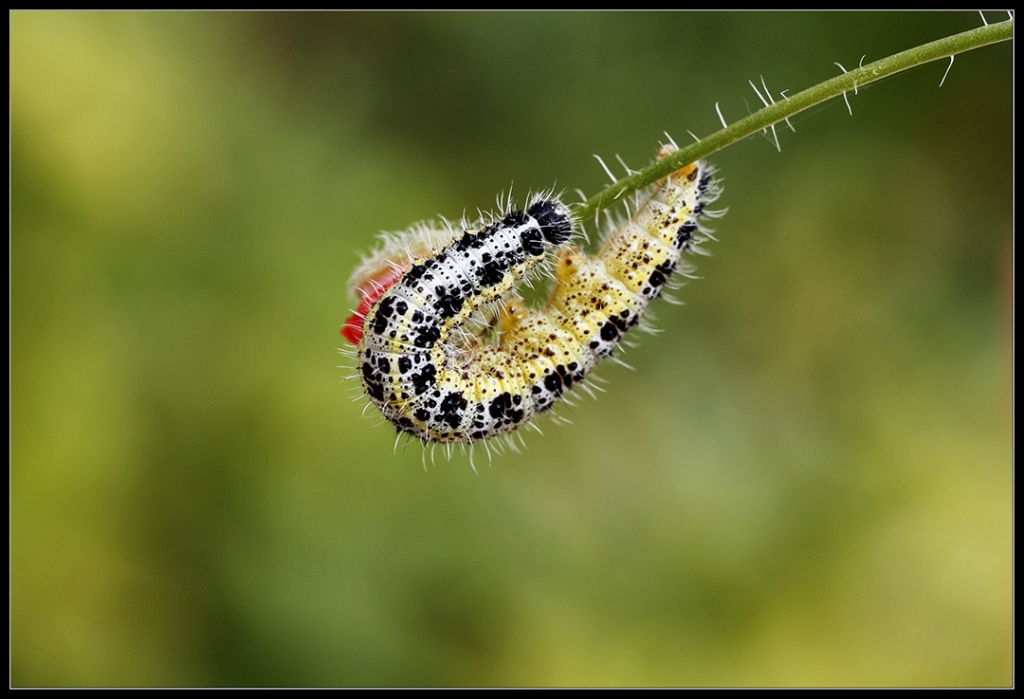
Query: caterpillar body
[{"x": 422, "y": 328}]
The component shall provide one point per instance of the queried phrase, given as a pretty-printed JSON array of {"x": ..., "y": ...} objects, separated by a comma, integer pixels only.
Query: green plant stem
[{"x": 849, "y": 81}]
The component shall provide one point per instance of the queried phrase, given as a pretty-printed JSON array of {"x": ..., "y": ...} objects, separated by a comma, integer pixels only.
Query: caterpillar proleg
[{"x": 449, "y": 353}]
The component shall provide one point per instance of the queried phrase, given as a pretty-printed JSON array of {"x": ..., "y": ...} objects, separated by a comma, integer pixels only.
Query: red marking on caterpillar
[
  {"x": 448, "y": 353},
  {"x": 374, "y": 288}
]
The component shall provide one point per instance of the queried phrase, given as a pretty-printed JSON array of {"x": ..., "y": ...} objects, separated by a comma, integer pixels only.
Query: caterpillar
[{"x": 432, "y": 297}]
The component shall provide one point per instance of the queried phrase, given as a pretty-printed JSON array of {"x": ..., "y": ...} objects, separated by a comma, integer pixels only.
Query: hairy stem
[{"x": 786, "y": 107}]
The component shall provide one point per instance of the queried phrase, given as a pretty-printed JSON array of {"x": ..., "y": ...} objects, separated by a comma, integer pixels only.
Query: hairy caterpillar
[{"x": 421, "y": 328}]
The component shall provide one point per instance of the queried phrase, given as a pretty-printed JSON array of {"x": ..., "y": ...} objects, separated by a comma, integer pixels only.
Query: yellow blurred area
[{"x": 806, "y": 481}]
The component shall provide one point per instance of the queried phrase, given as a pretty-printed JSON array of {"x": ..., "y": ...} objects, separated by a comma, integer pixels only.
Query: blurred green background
[{"x": 805, "y": 481}]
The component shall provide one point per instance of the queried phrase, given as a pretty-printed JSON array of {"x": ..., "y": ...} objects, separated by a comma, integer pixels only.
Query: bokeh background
[{"x": 805, "y": 481}]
